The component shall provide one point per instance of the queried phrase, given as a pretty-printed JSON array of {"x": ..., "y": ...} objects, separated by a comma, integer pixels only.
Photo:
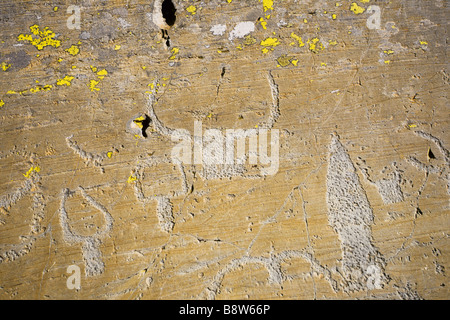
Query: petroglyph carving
[
  {"x": 164, "y": 209},
  {"x": 442, "y": 170},
  {"x": 90, "y": 244},
  {"x": 209, "y": 149},
  {"x": 388, "y": 188},
  {"x": 273, "y": 267},
  {"x": 351, "y": 216},
  {"x": 31, "y": 188},
  {"x": 88, "y": 157}
]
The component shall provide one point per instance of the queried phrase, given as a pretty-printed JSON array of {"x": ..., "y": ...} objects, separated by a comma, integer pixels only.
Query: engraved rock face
[
  {"x": 224, "y": 150},
  {"x": 351, "y": 216}
]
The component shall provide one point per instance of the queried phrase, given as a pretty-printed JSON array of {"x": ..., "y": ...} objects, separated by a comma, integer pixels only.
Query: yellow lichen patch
[
  {"x": 364, "y": 1},
  {"x": 332, "y": 42},
  {"x": 102, "y": 73},
  {"x": 263, "y": 23},
  {"x": 65, "y": 81},
  {"x": 92, "y": 85},
  {"x": 269, "y": 42},
  {"x": 267, "y": 5},
  {"x": 94, "y": 69},
  {"x": 131, "y": 179},
  {"x": 333, "y": 16},
  {"x": 356, "y": 9},
  {"x": 174, "y": 51},
  {"x": 73, "y": 50},
  {"x": 109, "y": 154},
  {"x": 298, "y": 38},
  {"x": 323, "y": 64},
  {"x": 191, "y": 9},
  {"x": 315, "y": 45},
  {"x": 5, "y": 66},
  {"x": 284, "y": 61},
  {"x": 388, "y": 51},
  {"x": 229, "y": 1},
  {"x": 117, "y": 47},
  {"x": 40, "y": 88},
  {"x": 29, "y": 172},
  {"x": 387, "y": 61},
  {"x": 139, "y": 121},
  {"x": 41, "y": 39},
  {"x": 2, "y": 103},
  {"x": 249, "y": 40},
  {"x": 294, "y": 62}
]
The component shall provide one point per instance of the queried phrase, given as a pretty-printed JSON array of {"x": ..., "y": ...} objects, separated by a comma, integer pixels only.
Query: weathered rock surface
[{"x": 337, "y": 186}]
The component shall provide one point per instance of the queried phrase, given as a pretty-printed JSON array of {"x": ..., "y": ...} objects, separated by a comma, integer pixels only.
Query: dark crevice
[
  {"x": 168, "y": 12},
  {"x": 143, "y": 124},
  {"x": 431, "y": 154},
  {"x": 223, "y": 72},
  {"x": 165, "y": 35}
]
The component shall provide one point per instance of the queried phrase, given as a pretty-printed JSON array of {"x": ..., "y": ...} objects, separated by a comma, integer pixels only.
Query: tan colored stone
[{"x": 357, "y": 208}]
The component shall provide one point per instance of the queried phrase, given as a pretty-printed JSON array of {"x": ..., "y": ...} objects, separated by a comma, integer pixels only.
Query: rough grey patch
[
  {"x": 105, "y": 29},
  {"x": 350, "y": 215},
  {"x": 164, "y": 211},
  {"x": 122, "y": 12},
  {"x": 92, "y": 257},
  {"x": 106, "y": 54},
  {"x": 21, "y": 250},
  {"x": 210, "y": 172},
  {"x": 407, "y": 293},
  {"x": 18, "y": 60},
  {"x": 85, "y": 35},
  {"x": 390, "y": 190}
]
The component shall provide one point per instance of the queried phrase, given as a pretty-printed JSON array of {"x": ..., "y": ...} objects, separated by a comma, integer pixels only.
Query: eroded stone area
[{"x": 224, "y": 149}]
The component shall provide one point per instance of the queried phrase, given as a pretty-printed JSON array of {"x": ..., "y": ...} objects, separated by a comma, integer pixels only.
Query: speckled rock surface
[{"x": 251, "y": 150}]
